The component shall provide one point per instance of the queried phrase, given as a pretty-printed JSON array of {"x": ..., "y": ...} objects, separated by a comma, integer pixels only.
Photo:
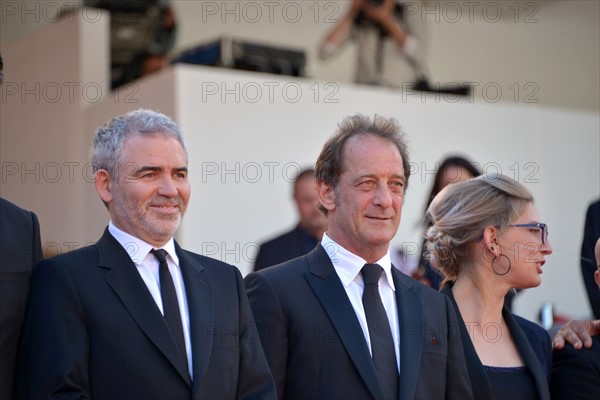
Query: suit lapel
[
  {"x": 410, "y": 321},
  {"x": 480, "y": 382},
  {"x": 482, "y": 387},
  {"x": 328, "y": 288},
  {"x": 526, "y": 351},
  {"x": 201, "y": 313},
  {"x": 131, "y": 289}
]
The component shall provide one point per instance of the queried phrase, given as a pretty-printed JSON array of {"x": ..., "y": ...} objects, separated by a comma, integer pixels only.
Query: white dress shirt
[
  {"x": 147, "y": 265},
  {"x": 348, "y": 265}
]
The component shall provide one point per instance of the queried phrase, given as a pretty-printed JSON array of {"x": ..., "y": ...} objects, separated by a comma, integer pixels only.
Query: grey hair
[
  {"x": 105, "y": 152},
  {"x": 330, "y": 162},
  {"x": 460, "y": 212}
]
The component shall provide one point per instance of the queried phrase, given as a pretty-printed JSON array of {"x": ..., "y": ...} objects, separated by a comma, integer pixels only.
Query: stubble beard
[{"x": 144, "y": 219}]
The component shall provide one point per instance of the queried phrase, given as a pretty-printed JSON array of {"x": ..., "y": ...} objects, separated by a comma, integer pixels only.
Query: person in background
[
  {"x": 20, "y": 251},
  {"x": 452, "y": 170},
  {"x": 142, "y": 35},
  {"x": 307, "y": 233},
  {"x": 579, "y": 332},
  {"x": 135, "y": 316},
  {"x": 340, "y": 322},
  {"x": 576, "y": 373},
  {"x": 487, "y": 237},
  {"x": 389, "y": 53}
]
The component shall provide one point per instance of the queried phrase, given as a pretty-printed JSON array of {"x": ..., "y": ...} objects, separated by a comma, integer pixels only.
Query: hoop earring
[{"x": 509, "y": 265}]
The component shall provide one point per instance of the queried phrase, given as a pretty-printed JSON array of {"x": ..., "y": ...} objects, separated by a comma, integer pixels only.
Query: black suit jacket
[
  {"x": 591, "y": 234},
  {"x": 93, "y": 330},
  {"x": 576, "y": 373},
  {"x": 533, "y": 344},
  {"x": 283, "y": 248},
  {"x": 20, "y": 250},
  {"x": 316, "y": 348}
]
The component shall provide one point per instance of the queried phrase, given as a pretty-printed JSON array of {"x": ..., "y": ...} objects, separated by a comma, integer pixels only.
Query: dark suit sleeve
[
  {"x": 573, "y": 375},
  {"x": 271, "y": 326},
  {"x": 546, "y": 357},
  {"x": 588, "y": 261},
  {"x": 37, "y": 240},
  {"x": 54, "y": 352},
  {"x": 262, "y": 261},
  {"x": 458, "y": 385},
  {"x": 255, "y": 380},
  {"x": 20, "y": 251}
]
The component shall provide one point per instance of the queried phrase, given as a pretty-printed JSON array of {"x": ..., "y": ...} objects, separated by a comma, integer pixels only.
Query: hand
[
  {"x": 576, "y": 332},
  {"x": 357, "y": 6},
  {"x": 382, "y": 13},
  {"x": 384, "y": 16}
]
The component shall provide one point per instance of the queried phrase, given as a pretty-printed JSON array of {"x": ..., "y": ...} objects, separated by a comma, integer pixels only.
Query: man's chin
[
  {"x": 381, "y": 240},
  {"x": 165, "y": 228}
]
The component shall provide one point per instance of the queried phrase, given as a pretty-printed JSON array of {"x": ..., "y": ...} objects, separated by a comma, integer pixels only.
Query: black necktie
[
  {"x": 382, "y": 342},
  {"x": 169, "y": 301}
]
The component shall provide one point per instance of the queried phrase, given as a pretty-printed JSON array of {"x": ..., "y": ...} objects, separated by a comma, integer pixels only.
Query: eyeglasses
[{"x": 542, "y": 227}]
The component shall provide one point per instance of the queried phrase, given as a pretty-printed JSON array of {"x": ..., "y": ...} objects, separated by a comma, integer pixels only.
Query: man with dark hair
[
  {"x": 135, "y": 316},
  {"x": 341, "y": 322},
  {"x": 307, "y": 233},
  {"x": 20, "y": 251}
]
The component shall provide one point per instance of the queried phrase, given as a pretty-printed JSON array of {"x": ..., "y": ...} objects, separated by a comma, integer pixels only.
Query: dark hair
[
  {"x": 329, "y": 165},
  {"x": 453, "y": 161}
]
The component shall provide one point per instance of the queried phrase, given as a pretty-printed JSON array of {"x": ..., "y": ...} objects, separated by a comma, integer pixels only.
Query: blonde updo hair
[{"x": 459, "y": 214}]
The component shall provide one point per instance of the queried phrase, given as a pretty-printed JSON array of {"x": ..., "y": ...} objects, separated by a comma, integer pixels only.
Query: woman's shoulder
[
  {"x": 537, "y": 337},
  {"x": 530, "y": 328}
]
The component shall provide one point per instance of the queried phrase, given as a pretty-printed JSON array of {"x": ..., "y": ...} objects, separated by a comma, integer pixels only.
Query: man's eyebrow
[
  {"x": 146, "y": 168},
  {"x": 149, "y": 168},
  {"x": 375, "y": 176}
]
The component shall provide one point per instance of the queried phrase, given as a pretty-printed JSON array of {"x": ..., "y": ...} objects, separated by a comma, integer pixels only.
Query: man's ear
[
  {"x": 104, "y": 185},
  {"x": 326, "y": 195},
  {"x": 597, "y": 277}
]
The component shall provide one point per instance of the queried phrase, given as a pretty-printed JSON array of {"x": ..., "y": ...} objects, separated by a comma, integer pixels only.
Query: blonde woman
[{"x": 487, "y": 237}]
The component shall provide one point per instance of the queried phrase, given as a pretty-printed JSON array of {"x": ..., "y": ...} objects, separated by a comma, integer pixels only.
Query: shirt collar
[
  {"x": 348, "y": 265},
  {"x": 138, "y": 249}
]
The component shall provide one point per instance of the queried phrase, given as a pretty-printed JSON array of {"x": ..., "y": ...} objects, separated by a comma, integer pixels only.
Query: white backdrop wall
[
  {"x": 544, "y": 50},
  {"x": 248, "y": 134}
]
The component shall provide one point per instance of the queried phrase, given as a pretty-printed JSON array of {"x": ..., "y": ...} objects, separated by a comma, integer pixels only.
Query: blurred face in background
[
  {"x": 454, "y": 174},
  {"x": 311, "y": 218}
]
